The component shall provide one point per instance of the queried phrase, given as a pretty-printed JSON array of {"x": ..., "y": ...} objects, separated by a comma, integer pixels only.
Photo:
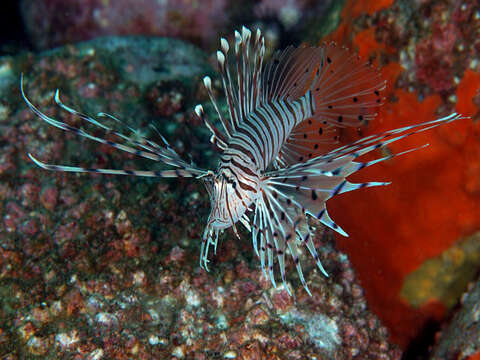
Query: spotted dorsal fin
[
  {"x": 346, "y": 92},
  {"x": 290, "y": 72}
]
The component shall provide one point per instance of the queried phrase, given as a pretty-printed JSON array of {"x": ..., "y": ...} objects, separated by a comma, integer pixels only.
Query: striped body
[
  {"x": 251, "y": 149},
  {"x": 278, "y": 161},
  {"x": 263, "y": 133}
]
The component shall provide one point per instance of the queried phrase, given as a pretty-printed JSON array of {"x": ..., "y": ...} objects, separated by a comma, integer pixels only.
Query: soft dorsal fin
[
  {"x": 290, "y": 72},
  {"x": 345, "y": 88},
  {"x": 308, "y": 140},
  {"x": 346, "y": 92}
]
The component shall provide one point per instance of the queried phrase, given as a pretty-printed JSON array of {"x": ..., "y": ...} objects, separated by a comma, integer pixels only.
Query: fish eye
[{"x": 230, "y": 180}]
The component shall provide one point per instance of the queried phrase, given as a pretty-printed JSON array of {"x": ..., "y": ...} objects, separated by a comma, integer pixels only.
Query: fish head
[{"x": 226, "y": 200}]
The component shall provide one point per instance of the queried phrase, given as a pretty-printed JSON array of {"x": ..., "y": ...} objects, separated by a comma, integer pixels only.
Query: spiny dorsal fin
[{"x": 241, "y": 91}]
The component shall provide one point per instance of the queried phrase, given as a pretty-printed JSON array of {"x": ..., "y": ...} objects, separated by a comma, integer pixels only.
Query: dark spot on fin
[
  {"x": 320, "y": 214},
  {"x": 339, "y": 187}
]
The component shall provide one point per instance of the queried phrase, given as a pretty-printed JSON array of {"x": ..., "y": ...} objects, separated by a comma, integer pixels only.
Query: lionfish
[{"x": 274, "y": 169}]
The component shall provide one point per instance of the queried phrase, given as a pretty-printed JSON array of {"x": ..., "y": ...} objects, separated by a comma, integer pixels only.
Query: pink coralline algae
[
  {"x": 448, "y": 45},
  {"x": 48, "y": 198},
  {"x": 55, "y": 22},
  {"x": 434, "y": 58}
]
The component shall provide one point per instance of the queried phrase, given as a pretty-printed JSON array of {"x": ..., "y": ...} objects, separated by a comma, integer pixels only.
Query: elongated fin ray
[
  {"x": 208, "y": 85},
  {"x": 242, "y": 90},
  {"x": 280, "y": 225},
  {"x": 290, "y": 72},
  {"x": 144, "y": 148},
  {"x": 217, "y": 137},
  {"x": 341, "y": 159},
  {"x": 145, "y": 173}
]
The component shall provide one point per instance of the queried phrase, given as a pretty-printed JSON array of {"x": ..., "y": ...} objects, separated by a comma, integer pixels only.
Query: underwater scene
[{"x": 258, "y": 179}]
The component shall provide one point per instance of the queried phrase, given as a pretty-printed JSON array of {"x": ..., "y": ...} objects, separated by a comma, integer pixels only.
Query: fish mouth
[{"x": 220, "y": 224}]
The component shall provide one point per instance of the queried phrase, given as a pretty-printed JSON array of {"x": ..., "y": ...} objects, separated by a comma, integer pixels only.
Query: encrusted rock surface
[{"x": 460, "y": 339}]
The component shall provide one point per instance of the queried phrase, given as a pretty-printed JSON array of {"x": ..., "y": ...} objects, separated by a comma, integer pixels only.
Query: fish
[{"x": 280, "y": 158}]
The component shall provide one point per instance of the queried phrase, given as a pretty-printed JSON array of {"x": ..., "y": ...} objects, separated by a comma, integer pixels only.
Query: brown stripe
[
  {"x": 260, "y": 136},
  {"x": 243, "y": 168},
  {"x": 240, "y": 181},
  {"x": 281, "y": 131},
  {"x": 269, "y": 139},
  {"x": 290, "y": 110},
  {"x": 242, "y": 150},
  {"x": 258, "y": 146}
]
